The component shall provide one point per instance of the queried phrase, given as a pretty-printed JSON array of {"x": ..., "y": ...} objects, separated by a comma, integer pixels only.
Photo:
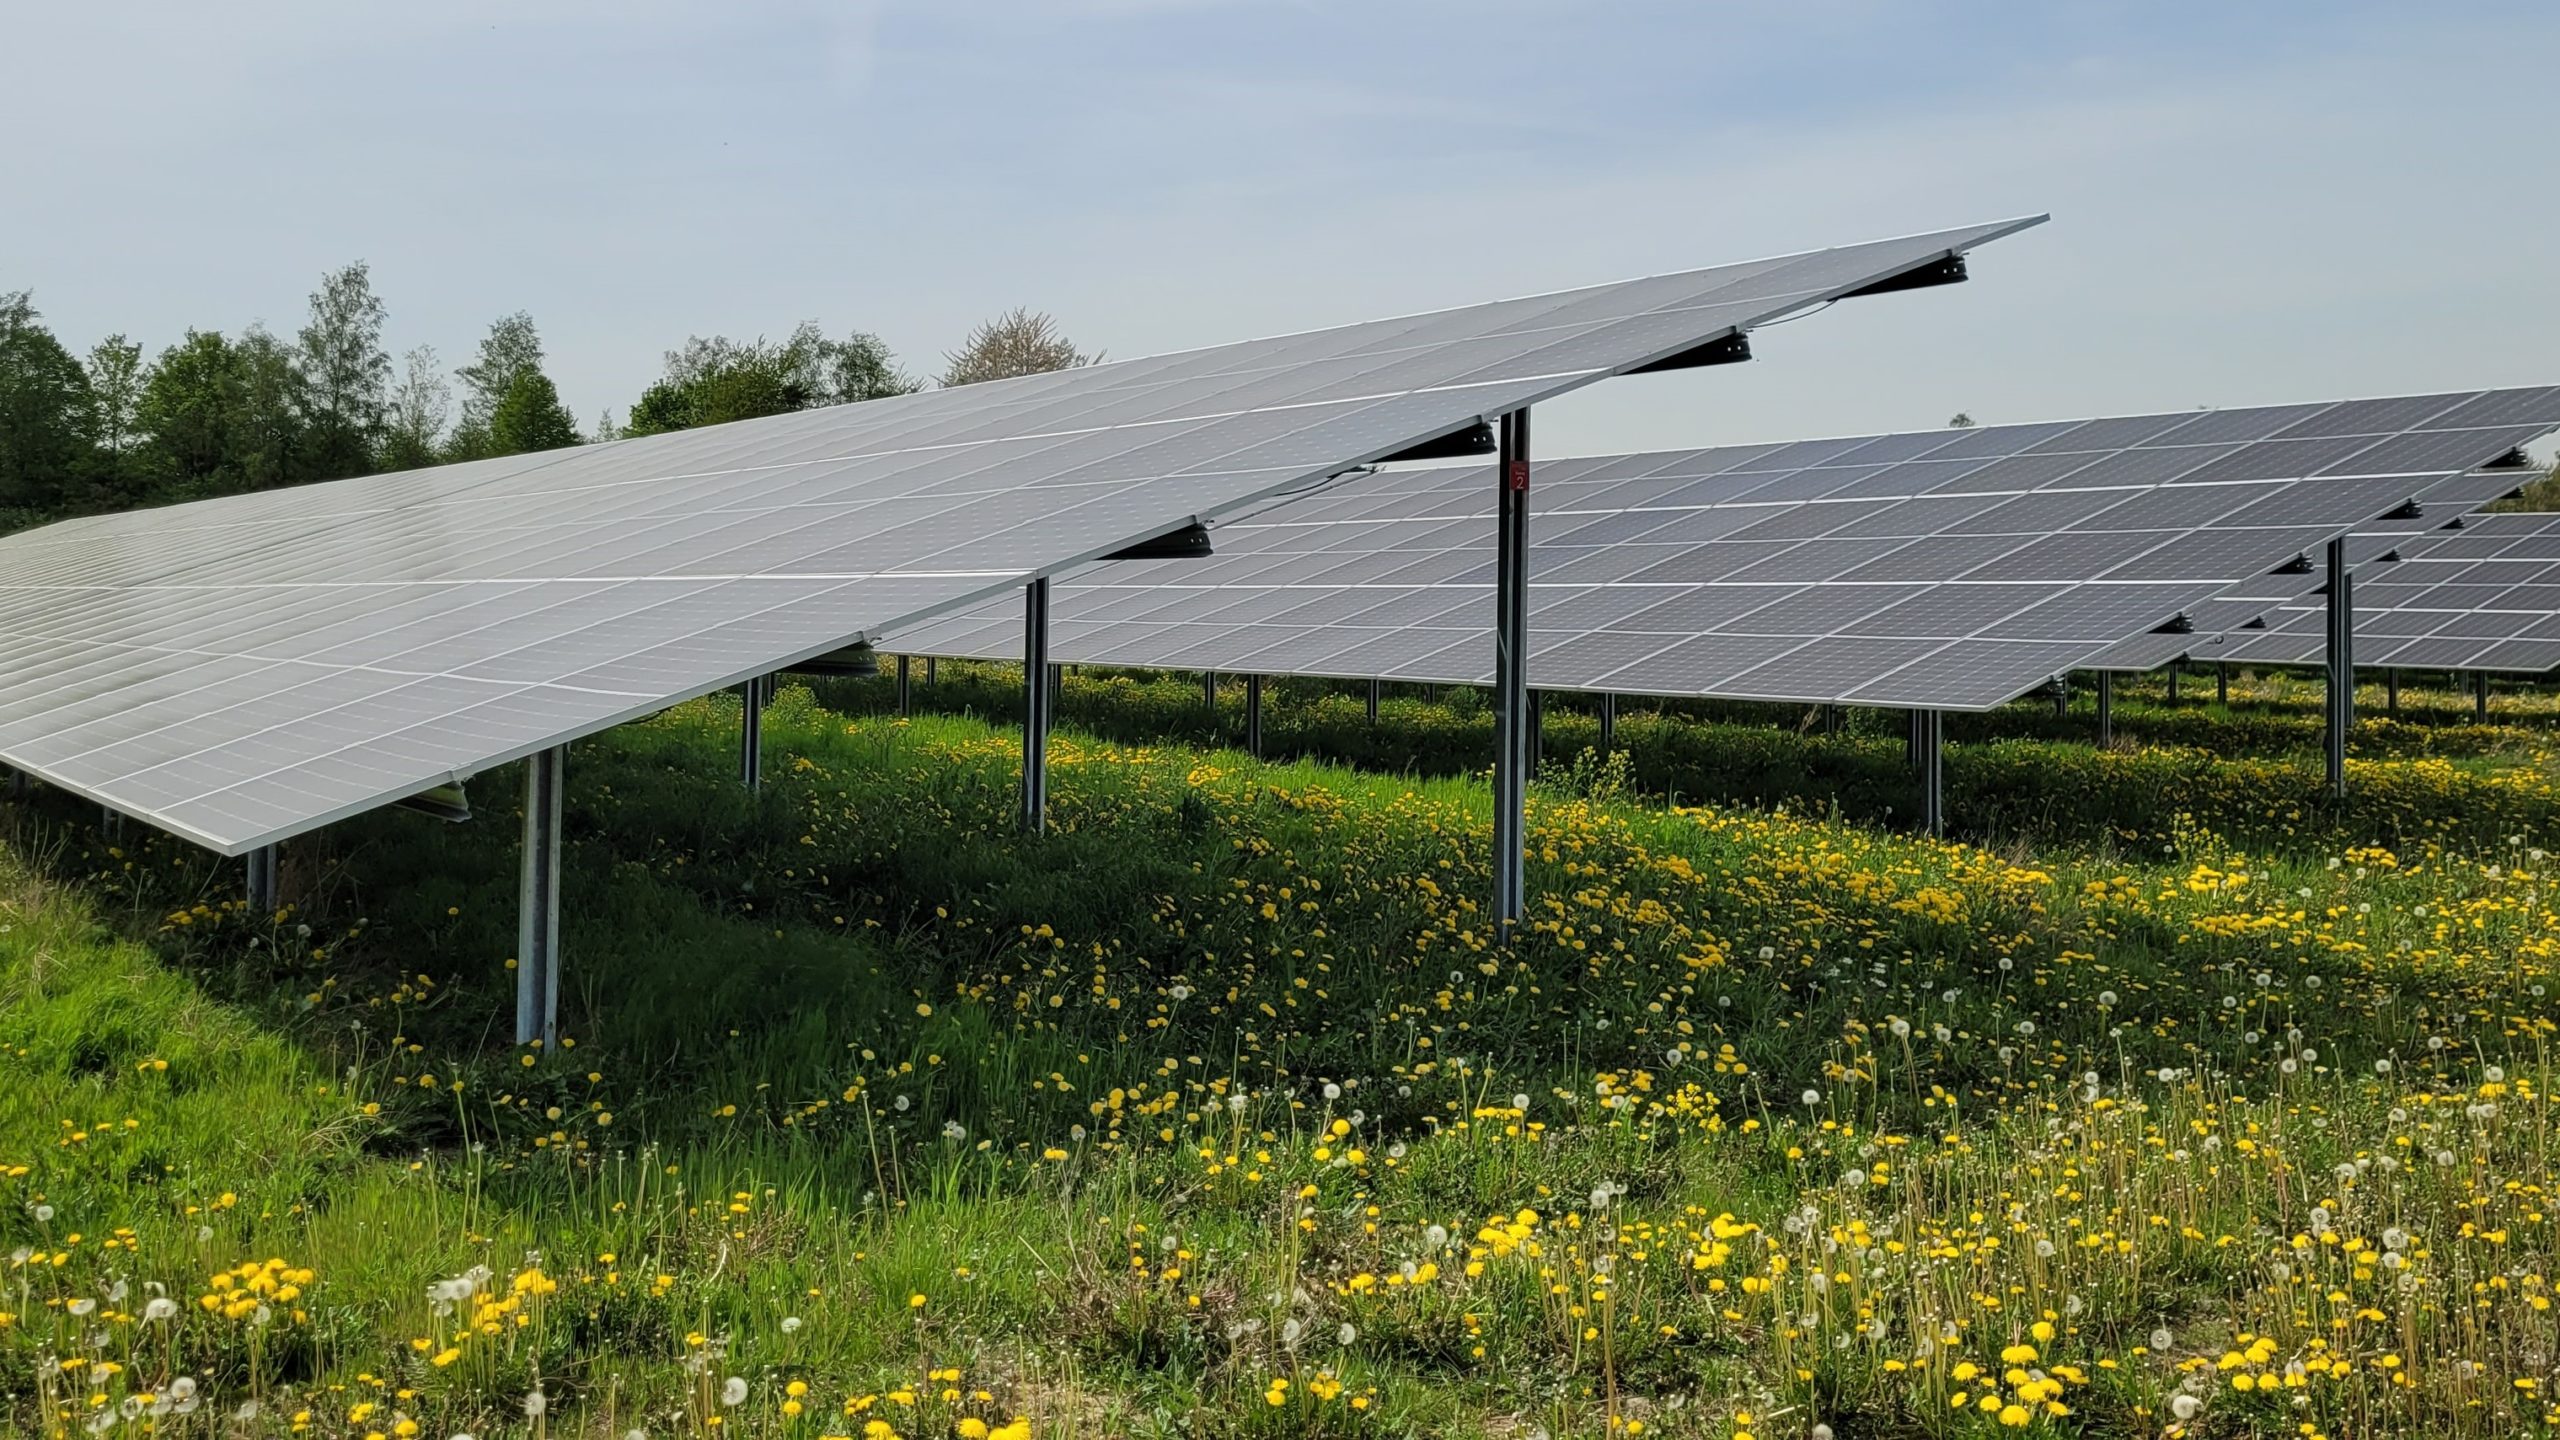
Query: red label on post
[{"x": 1519, "y": 474}]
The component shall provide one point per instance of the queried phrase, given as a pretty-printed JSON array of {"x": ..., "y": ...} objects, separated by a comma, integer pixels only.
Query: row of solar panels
[
  {"x": 244, "y": 669},
  {"x": 1948, "y": 569}
]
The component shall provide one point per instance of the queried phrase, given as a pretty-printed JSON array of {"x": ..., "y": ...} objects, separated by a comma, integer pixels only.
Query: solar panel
[
  {"x": 2482, "y": 597},
  {"x": 243, "y": 669},
  {"x": 1920, "y": 583}
]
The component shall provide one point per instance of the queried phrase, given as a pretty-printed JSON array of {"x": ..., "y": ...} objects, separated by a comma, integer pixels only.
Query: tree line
[{"x": 216, "y": 414}]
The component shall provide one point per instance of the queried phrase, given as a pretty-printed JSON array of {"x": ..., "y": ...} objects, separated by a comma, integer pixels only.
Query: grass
[
  {"x": 1218, "y": 1111},
  {"x": 2024, "y": 775}
]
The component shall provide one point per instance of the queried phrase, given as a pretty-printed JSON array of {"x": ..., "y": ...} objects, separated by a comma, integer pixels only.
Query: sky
[{"x": 2251, "y": 203}]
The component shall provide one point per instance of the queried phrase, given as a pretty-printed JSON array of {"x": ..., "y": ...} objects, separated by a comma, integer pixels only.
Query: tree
[
  {"x": 1960, "y": 421},
  {"x": 45, "y": 420},
  {"x": 115, "y": 416},
  {"x": 860, "y": 367},
  {"x": 1018, "y": 342},
  {"x": 345, "y": 373},
  {"x": 115, "y": 387},
  {"x": 530, "y": 417},
  {"x": 510, "y": 349},
  {"x": 185, "y": 412},
  {"x": 714, "y": 381},
  {"x": 414, "y": 419},
  {"x": 269, "y": 441}
]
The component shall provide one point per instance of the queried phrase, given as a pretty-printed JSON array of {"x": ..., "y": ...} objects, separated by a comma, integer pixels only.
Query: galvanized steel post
[
  {"x": 1036, "y": 677},
  {"x": 261, "y": 891},
  {"x": 538, "y": 900},
  {"x": 1511, "y": 674},
  {"x": 2342, "y": 664},
  {"x": 751, "y": 701}
]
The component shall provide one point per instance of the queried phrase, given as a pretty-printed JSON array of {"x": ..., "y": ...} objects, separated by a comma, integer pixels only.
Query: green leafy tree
[
  {"x": 414, "y": 419},
  {"x": 185, "y": 413},
  {"x": 1018, "y": 342},
  {"x": 115, "y": 418},
  {"x": 270, "y": 443},
  {"x": 510, "y": 349},
  {"x": 714, "y": 381},
  {"x": 345, "y": 375},
  {"x": 223, "y": 416},
  {"x": 860, "y": 367},
  {"x": 45, "y": 413},
  {"x": 530, "y": 417}
]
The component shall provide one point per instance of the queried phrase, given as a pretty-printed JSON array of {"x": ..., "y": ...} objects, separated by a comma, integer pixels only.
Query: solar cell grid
[
  {"x": 2453, "y": 597},
  {"x": 1736, "y": 576},
  {"x": 662, "y": 567}
]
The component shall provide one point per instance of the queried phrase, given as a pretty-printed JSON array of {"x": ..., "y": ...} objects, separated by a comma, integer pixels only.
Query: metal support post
[
  {"x": 1511, "y": 674},
  {"x": 2106, "y": 708},
  {"x": 2342, "y": 664},
  {"x": 1537, "y": 728},
  {"x": 1057, "y": 682},
  {"x": 1209, "y": 690},
  {"x": 1933, "y": 771},
  {"x": 1911, "y": 728},
  {"x": 110, "y": 822},
  {"x": 928, "y": 672},
  {"x": 2391, "y": 693},
  {"x": 751, "y": 702},
  {"x": 2173, "y": 682},
  {"x": 1253, "y": 716},
  {"x": 1374, "y": 685},
  {"x": 538, "y": 901},
  {"x": 262, "y": 880},
  {"x": 2480, "y": 696},
  {"x": 1036, "y": 676},
  {"x": 2061, "y": 696},
  {"x": 906, "y": 692},
  {"x": 1608, "y": 723},
  {"x": 2221, "y": 682}
]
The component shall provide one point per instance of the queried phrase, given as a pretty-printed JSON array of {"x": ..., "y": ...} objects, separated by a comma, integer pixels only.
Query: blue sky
[{"x": 2252, "y": 201}]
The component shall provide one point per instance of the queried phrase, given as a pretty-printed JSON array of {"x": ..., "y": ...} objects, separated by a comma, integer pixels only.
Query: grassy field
[{"x": 2185, "y": 1102}]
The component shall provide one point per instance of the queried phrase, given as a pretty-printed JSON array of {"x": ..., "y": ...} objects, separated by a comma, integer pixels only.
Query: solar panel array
[
  {"x": 1948, "y": 569},
  {"x": 2244, "y": 608},
  {"x": 242, "y": 669},
  {"x": 2483, "y": 597}
]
